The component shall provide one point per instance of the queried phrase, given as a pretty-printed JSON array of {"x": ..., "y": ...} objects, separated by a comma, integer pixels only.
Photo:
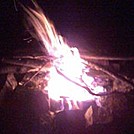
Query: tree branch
[
  {"x": 110, "y": 73},
  {"x": 87, "y": 57}
]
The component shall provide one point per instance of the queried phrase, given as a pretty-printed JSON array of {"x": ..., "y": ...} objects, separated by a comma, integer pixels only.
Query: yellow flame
[{"x": 67, "y": 60}]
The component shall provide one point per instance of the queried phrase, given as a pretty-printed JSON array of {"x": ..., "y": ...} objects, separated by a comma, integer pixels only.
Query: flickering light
[{"x": 66, "y": 59}]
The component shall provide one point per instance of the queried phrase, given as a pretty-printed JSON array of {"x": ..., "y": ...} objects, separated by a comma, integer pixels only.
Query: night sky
[{"x": 102, "y": 27}]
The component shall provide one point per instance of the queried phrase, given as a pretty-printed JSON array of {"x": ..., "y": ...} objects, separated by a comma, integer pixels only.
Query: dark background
[{"x": 102, "y": 27}]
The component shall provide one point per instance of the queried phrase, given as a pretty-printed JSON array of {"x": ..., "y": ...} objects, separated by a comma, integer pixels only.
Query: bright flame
[
  {"x": 67, "y": 60},
  {"x": 59, "y": 86}
]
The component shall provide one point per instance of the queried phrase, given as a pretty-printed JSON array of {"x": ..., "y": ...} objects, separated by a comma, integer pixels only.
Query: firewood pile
[{"x": 21, "y": 74}]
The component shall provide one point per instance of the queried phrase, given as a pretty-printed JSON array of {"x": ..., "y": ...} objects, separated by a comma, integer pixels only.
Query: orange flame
[{"x": 66, "y": 59}]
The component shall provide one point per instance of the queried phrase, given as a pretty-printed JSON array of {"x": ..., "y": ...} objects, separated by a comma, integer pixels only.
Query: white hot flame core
[{"x": 66, "y": 59}]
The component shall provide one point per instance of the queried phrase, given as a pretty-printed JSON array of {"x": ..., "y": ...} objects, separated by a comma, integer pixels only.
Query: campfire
[
  {"x": 68, "y": 75},
  {"x": 69, "y": 78}
]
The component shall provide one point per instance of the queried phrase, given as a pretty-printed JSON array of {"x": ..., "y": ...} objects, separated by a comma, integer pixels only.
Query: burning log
[
  {"x": 38, "y": 64},
  {"x": 87, "y": 57}
]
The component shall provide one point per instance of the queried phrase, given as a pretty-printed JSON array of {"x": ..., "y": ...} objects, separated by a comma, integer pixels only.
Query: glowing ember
[{"x": 65, "y": 60}]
